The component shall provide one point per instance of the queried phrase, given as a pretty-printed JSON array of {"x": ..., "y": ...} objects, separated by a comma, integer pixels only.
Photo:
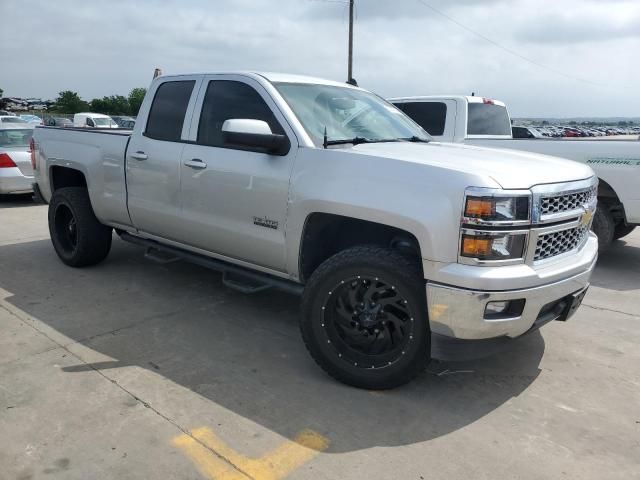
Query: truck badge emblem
[{"x": 265, "y": 222}]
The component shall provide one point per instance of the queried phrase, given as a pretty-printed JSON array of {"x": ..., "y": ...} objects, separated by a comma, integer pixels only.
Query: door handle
[
  {"x": 195, "y": 163},
  {"x": 139, "y": 155}
]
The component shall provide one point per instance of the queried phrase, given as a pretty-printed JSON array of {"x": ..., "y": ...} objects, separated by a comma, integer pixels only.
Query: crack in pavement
[{"x": 610, "y": 310}]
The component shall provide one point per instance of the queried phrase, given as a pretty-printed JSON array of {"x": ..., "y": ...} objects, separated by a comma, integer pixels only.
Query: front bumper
[
  {"x": 460, "y": 312},
  {"x": 12, "y": 180}
]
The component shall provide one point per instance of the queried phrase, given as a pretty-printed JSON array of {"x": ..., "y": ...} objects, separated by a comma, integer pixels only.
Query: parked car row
[
  {"x": 541, "y": 131},
  {"x": 91, "y": 120}
]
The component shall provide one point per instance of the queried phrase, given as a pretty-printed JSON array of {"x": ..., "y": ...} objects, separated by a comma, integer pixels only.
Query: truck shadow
[
  {"x": 12, "y": 201},
  {"x": 619, "y": 267},
  {"x": 244, "y": 352}
]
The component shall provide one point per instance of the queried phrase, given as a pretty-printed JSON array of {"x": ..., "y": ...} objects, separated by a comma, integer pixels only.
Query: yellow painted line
[{"x": 227, "y": 464}]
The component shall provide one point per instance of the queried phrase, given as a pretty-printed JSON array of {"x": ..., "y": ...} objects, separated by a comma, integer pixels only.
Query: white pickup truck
[
  {"x": 486, "y": 122},
  {"x": 327, "y": 190}
]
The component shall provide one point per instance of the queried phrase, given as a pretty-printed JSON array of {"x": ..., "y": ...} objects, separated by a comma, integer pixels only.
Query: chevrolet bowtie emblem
[{"x": 585, "y": 220}]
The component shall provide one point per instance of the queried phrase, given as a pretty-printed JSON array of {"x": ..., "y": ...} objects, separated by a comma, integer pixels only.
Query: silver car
[
  {"x": 16, "y": 172},
  {"x": 11, "y": 120}
]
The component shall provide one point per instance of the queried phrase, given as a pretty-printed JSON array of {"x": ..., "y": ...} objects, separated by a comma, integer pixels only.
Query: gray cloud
[
  {"x": 401, "y": 48},
  {"x": 580, "y": 27}
]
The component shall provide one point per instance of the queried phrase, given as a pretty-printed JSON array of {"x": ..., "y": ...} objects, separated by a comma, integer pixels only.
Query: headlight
[
  {"x": 485, "y": 245},
  {"x": 495, "y": 208},
  {"x": 495, "y": 226}
]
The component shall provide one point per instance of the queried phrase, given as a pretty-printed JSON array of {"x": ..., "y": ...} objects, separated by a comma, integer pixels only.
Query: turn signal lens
[
  {"x": 478, "y": 207},
  {"x": 507, "y": 246},
  {"x": 476, "y": 246},
  {"x": 6, "y": 161},
  {"x": 495, "y": 208}
]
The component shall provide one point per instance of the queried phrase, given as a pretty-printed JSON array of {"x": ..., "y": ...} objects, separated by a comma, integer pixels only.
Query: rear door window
[
  {"x": 488, "y": 119},
  {"x": 431, "y": 116},
  {"x": 520, "y": 132},
  {"x": 168, "y": 110},
  {"x": 227, "y": 99}
]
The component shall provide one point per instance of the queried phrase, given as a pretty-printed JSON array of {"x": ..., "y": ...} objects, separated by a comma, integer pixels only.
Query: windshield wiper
[
  {"x": 356, "y": 141},
  {"x": 416, "y": 139}
]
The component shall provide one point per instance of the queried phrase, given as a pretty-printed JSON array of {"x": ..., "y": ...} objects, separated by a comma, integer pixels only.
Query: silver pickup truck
[{"x": 327, "y": 190}]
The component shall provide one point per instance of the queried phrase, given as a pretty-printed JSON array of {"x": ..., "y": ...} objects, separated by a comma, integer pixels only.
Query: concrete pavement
[{"x": 133, "y": 369}]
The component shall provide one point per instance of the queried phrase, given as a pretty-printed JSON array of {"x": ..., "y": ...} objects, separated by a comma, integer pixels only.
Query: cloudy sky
[{"x": 581, "y": 57}]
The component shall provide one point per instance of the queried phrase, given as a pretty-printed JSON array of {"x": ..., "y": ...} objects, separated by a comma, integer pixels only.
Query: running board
[
  {"x": 233, "y": 276},
  {"x": 158, "y": 256}
]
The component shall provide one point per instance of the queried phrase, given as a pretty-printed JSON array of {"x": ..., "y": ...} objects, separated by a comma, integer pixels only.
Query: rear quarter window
[
  {"x": 431, "y": 116},
  {"x": 15, "y": 137},
  {"x": 487, "y": 119},
  {"x": 166, "y": 116}
]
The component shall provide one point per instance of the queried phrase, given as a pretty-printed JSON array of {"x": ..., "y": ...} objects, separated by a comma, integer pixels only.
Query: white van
[{"x": 93, "y": 120}]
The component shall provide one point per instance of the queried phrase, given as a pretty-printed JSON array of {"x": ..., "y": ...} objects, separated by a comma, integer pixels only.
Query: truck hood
[{"x": 511, "y": 169}]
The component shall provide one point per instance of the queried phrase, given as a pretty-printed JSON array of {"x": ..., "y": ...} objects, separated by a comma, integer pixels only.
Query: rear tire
[
  {"x": 78, "y": 237},
  {"x": 622, "y": 230},
  {"x": 604, "y": 227},
  {"x": 364, "y": 318}
]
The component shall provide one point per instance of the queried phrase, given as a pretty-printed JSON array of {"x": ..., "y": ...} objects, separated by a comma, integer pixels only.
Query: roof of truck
[
  {"x": 461, "y": 98},
  {"x": 273, "y": 77}
]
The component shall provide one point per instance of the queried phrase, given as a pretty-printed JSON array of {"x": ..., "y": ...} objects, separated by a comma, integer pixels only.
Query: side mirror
[{"x": 254, "y": 135}]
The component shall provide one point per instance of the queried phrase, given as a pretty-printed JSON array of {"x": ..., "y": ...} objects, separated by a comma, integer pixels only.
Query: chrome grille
[
  {"x": 556, "y": 243},
  {"x": 566, "y": 201}
]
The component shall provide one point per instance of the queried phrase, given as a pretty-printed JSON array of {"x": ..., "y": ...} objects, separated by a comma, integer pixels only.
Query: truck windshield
[
  {"x": 15, "y": 137},
  {"x": 347, "y": 113},
  {"x": 488, "y": 119}
]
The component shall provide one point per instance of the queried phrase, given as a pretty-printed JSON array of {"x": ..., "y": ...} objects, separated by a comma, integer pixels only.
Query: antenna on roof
[
  {"x": 473, "y": 94},
  {"x": 157, "y": 72}
]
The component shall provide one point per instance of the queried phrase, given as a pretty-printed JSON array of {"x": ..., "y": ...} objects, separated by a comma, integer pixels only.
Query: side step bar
[{"x": 233, "y": 276}]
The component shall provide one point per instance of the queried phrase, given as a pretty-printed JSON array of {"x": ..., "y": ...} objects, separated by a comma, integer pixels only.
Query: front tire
[
  {"x": 78, "y": 237},
  {"x": 604, "y": 227},
  {"x": 364, "y": 318}
]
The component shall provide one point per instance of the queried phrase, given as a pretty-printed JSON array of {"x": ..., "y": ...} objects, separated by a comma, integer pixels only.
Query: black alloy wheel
[
  {"x": 364, "y": 317},
  {"x": 66, "y": 228},
  {"x": 367, "y": 321}
]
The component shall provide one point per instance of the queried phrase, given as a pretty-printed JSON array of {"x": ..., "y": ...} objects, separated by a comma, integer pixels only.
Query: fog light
[
  {"x": 496, "y": 307},
  {"x": 504, "y": 309}
]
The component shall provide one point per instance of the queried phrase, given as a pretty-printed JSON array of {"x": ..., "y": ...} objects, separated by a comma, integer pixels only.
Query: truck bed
[{"x": 99, "y": 154}]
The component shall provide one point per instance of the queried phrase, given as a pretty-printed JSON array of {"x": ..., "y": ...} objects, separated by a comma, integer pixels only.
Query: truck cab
[{"x": 456, "y": 118}]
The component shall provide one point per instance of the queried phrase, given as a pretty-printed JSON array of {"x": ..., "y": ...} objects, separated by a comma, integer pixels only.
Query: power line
[{"x": 510, "y": 51}]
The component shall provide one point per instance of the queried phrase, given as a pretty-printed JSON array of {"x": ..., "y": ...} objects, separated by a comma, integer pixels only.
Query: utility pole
[{"x": 350, "y": 71}]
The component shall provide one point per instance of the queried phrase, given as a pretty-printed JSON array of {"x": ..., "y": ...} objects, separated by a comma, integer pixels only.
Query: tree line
[{"x": 70, "y": 102}]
